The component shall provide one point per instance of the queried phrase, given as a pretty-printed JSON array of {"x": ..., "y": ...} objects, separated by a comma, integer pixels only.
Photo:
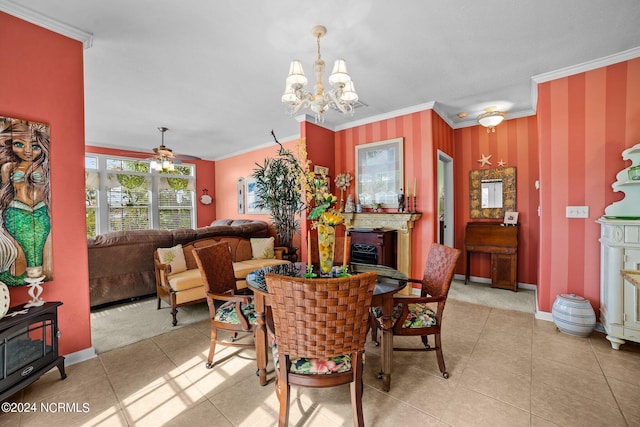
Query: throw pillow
[
  {"x": 262, "y": 248},
  {"x": 174, "y": 257}
]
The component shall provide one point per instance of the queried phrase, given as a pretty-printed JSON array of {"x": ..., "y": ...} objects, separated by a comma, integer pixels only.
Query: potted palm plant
[{"x": 278, "y": 190}]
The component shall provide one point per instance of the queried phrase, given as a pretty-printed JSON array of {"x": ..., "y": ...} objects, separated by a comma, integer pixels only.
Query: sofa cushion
[
  {"x": 262, "y": 247},
  {"x": 173, "y": 256},
  {"x": 186, "y": 280}
]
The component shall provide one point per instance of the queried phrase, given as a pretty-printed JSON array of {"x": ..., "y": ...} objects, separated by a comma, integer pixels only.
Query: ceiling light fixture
[
  {"x": 164, "y": 159},
  {"x": 491, "y": 118},
  {"x": 342, "y": 96}
]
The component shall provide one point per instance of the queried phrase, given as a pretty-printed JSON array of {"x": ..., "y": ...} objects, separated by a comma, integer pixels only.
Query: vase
[
  {"x": 573, "y": 315},
  {"x": 326, "y": 246}
]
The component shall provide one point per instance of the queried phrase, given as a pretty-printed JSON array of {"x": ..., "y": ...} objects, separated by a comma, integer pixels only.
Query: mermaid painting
[{"x": 24, "y": 200}]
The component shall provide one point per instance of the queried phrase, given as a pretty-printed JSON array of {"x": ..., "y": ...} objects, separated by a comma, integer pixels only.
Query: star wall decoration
[
  {"x": 502, "y": 163},
  {"x": 484, "y": 160}
]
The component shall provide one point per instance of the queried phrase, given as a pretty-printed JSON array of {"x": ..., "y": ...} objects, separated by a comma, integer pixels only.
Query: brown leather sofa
[{"x": 121, "y": 265}]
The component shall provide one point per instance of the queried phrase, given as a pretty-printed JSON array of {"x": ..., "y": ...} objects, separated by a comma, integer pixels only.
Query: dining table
[{"x": 388, "y": 283}]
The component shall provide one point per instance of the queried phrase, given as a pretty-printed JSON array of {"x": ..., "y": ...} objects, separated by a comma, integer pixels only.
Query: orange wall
[
  {"x": 43, "y": 81},
  {"x": 514, "y": 142},
  {"x": 228, "y": 171},
  {"x": 205, "y": 178},
  {"x": 585, "y": 121}
]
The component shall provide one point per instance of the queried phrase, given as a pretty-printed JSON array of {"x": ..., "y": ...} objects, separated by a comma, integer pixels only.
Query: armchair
[
  {"x": 235, "y": 314},
  {"x": 412, "y": 315}
]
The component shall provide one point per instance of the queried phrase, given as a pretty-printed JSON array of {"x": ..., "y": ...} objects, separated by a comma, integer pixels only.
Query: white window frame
[{"x": 102, "y": 207}]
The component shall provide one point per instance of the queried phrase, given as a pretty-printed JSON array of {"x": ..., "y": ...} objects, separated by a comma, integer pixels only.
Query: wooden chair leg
[
  {"x": 159, "y": 300},
  {"x": 212, "y": 348},
  {"x": 285, "y": 388},
  {"x": 174, "y": 313},
  {"x": 357, "y": 389},
  {"x": 440, "y": 356},
  {"x": 373, "y": 325}
]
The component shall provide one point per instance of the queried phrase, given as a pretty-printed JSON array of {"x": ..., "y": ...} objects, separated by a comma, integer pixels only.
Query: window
[{"x": 123, "y": 194}]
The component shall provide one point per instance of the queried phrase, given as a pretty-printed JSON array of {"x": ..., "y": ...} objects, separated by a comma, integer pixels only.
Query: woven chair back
[
  {"x": 216, "y": 268},
  {"x": 321, "y": 318},
  {"x": 439, "y": 270}
]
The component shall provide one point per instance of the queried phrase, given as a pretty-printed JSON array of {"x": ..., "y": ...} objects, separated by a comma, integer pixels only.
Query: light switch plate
[{"x": 577, "y": 211}]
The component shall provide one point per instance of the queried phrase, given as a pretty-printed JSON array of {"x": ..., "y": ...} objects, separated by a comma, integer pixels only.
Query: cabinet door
[
  {"x": 503, "y": 271},
  {"x": 631, "y": 294}
]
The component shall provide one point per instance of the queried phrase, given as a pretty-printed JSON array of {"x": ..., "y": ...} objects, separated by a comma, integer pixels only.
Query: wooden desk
[
  {"x": 389, "y": 282},
  {"x": 502, "y": 243}
]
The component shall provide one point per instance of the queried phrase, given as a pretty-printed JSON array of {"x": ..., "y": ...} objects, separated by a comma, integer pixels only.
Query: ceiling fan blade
[{"x": 187, "y": 157}]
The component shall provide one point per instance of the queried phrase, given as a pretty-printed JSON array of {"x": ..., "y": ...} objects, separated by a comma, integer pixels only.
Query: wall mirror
[{"x": 492, "y": 192}]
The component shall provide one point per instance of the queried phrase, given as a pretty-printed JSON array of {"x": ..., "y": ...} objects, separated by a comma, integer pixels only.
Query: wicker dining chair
[
  {"x": 412, "y": 315},
  {"x": 320, "y": 328},
  {"x": 235, "y": 311}
]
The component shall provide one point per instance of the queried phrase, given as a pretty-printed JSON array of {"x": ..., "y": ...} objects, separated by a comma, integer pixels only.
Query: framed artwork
[
  {"x": 240, "y": 195},
  {"x": 380, "y": 173},
  {"x": 322, "y": 170},
  {"x": 511, "y": 218},
  {"x": 25, "y": 238},
  {"x": 252, "y": 198}
]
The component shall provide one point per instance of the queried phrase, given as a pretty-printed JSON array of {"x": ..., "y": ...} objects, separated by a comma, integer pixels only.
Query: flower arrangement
[
  {"x": 343, "y": 181},
  {"x": 320, "y": 201}
]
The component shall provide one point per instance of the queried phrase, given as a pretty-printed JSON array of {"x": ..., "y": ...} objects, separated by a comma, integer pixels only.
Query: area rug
[
  {"x": 483, "y": 294},
  {"x": 131, "y": 322}
]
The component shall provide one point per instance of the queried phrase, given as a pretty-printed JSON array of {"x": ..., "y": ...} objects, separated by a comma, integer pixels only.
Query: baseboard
[
  {"x": 79, "y": 356},
  {"x": 486, "y": 280}
]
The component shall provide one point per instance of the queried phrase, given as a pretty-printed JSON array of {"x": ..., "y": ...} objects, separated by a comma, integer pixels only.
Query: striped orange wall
[
  {"x": 585, "y": 121},
  {"x": 515, "y": 142},
  {"x": 418, "y": 130}
]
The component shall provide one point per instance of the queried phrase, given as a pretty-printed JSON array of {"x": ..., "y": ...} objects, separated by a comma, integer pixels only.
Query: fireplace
[
  {"x": 401, "y": 222},
  {"x": 28, "y": 346},
  {"x": 373, "y": 246}
]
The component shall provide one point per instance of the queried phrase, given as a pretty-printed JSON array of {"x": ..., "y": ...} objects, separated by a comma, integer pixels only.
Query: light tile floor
[{"x": 506, "y": 369}]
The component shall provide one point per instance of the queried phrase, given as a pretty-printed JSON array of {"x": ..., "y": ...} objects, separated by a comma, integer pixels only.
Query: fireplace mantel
[{"x": 402, "y": 222}]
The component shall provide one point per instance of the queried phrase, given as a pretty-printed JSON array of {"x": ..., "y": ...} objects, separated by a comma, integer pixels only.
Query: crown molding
[
  {"x": 44, "y": 21},
  {"x": 587, "y": 66}
]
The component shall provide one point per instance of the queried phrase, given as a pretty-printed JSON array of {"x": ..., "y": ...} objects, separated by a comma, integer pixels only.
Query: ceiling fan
[{"x": 164, "y": 159}]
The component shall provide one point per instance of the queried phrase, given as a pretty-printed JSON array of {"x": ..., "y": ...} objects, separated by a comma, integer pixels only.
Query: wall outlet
[{"x": 577, "y": 211}]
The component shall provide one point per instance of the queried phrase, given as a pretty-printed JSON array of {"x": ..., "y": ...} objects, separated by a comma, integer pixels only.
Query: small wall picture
[
  {"x": 322, "y": 170},
  {"x": 511, "y": 218},
  {"x": 252, "y": 198},
  {"x": 240, "y": 195}
]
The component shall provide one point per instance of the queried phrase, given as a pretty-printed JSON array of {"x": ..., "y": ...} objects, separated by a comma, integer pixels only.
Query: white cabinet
[{"x": 619, "y": 299}]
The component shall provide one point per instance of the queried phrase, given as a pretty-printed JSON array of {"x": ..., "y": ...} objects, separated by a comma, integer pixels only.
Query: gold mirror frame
[{"x": 508, "y": 177}]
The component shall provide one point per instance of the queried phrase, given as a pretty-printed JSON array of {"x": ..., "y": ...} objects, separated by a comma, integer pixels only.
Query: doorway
[{"x": 445, "y": 199}]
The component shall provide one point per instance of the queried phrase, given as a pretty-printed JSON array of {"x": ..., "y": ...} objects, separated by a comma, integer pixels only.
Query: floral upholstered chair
[
  {"x": 235, "y": 312},
  {"x": 319, "y": 328},
  {"x": 414, "y": 315}
]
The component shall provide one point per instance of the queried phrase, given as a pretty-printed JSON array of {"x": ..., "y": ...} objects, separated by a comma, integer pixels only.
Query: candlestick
[
  {"x": 344, "y": 250},
  {"x": 308, "y": 248},
  {"x": 415, "y": 208}
]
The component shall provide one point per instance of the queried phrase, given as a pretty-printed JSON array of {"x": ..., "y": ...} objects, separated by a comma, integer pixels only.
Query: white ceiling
[{"x": 213, "y": 72}]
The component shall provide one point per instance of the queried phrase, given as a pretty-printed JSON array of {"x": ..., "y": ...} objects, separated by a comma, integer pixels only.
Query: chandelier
[
  {"x": 491, "y": 118},
  {"x": 341, "y": 97},
  {"x": 163, "y": 161}
]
